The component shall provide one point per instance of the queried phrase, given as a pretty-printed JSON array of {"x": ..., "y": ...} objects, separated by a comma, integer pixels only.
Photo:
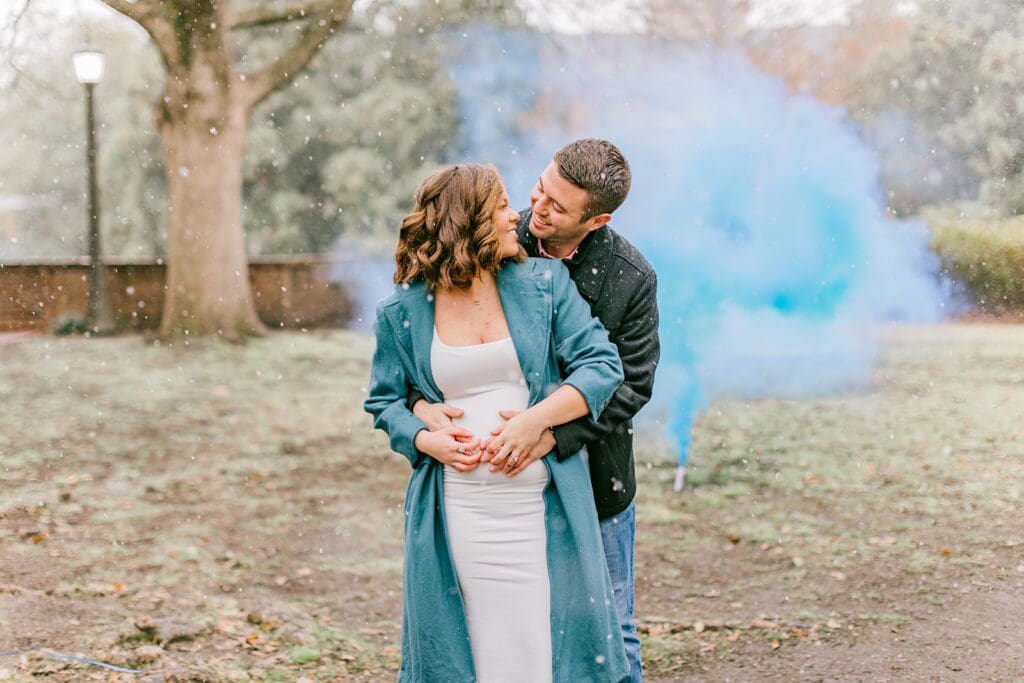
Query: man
[{"x": 570, "y": 208}]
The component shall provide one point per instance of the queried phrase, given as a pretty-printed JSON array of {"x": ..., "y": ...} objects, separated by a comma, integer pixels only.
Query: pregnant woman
[{"x": 504, "y": 577}]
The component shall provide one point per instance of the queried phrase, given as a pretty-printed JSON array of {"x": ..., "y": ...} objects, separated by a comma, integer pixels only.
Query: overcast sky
[
  {"x": 623, "y": 15},
  {"x": 602, "y": 14}
]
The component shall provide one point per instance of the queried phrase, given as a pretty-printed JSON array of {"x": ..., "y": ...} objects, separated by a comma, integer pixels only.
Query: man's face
[{"x": 558, "y": 208}]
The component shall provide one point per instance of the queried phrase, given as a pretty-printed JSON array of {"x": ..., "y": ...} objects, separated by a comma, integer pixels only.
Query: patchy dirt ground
[{"x": 228, "y": 514}]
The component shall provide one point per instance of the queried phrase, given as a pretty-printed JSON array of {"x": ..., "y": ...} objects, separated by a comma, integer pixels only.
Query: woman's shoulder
[
  {"x": 402, "y": 294},
  {"x": 404, "y": 290}
]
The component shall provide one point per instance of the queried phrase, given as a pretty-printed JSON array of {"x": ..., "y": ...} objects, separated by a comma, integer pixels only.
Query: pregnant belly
[
  {"x": 480, "y": 417},
  {"x": 481, "y": 410}
]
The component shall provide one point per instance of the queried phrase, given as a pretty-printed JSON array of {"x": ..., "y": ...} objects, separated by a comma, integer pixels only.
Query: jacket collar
[{"x": 587, "y": 267}]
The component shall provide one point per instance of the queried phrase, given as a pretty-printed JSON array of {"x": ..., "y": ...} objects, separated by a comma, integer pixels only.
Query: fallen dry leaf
[
  {"x": 763, "y": 623},
  {"x": 228, "y": 625}
]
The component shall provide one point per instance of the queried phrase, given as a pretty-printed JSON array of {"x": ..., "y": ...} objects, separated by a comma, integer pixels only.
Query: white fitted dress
[{"x": 496, "y": 524}]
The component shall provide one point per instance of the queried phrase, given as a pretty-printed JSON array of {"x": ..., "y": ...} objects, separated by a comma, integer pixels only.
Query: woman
[{"x": 504, "y": 577}]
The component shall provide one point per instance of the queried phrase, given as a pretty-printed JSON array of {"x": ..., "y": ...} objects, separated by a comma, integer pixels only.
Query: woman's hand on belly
[
  {"x": 436, "y": 415},
  {"x": 452, "y": 446}
]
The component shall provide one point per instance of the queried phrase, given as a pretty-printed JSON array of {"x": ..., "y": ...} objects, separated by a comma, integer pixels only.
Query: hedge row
[{"x": 987, "y": 257}]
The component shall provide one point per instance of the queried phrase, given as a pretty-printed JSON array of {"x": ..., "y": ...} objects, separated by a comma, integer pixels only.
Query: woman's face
[{"x": 505, "y": 220}]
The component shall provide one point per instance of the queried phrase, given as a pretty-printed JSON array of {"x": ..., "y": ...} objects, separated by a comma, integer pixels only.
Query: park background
[{"x": 207, "y": 511}]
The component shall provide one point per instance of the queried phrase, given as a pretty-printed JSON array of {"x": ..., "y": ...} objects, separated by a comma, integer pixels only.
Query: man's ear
[{"x": 595, "y": 222}]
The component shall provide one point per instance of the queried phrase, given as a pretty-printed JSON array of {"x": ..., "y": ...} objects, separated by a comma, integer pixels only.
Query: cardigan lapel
[
  {"x": 526, "y": 300},
  {"x": 418, "y": 326}
]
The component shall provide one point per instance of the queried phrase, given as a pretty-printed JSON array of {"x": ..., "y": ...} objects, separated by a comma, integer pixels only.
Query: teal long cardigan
[{"x": 557, "y": 341}]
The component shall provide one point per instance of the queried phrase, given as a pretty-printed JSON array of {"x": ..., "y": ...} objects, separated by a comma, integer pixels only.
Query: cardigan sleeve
[
  {"x": 586, "y": 358},
  {"x": 388, "y": 392},
  {"x": 639, "y": 348}
]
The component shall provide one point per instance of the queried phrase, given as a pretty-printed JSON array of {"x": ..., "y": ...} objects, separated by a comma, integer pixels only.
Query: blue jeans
[{"x": 618, "y": 533}]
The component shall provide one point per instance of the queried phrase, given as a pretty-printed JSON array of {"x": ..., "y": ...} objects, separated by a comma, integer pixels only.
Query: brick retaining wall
[{"x": 289, "y": 292}]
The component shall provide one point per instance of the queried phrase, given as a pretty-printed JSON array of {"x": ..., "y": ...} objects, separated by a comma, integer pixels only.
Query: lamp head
[{"x": 88, "y": 66}]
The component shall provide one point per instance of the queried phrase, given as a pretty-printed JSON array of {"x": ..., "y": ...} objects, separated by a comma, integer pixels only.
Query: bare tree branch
[
  {"x": 10, "y": 33},
  {"x": 266, "y": 16},
  {"x": 20, "y": 74},
  {"x": 141, "y": 11},
  {"x": 314, "y": 34},
  {"x": 147, "y": 14},
  {"x": 10, "y": 45},
  {"x": 11, "y": 29},
  {"x": 13, "y": 25}
]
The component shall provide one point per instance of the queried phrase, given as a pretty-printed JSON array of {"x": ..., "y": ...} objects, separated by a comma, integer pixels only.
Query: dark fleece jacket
[{"x": 621, "y": 288}]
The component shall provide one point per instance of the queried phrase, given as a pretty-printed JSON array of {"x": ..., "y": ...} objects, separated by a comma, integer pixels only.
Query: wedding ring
[{"x": 461, "y": 449}]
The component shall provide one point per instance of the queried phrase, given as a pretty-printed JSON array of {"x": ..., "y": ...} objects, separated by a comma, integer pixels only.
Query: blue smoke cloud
[{"x": 760, "y": 211}]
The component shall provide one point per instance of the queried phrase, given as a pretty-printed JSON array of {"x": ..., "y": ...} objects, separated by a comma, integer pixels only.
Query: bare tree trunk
[
  {"x": 208, "y": 290},
  {"x": 203, "y": 119}
]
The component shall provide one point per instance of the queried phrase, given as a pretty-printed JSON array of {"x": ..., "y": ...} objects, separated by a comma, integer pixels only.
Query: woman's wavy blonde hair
[{"x": 449, "y": 237}]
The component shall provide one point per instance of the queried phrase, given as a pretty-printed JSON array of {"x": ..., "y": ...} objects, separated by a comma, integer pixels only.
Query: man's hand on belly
[{"x": 518, "y": 443}]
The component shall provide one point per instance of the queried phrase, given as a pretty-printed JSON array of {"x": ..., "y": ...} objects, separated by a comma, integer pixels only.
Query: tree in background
[
  {"x": 336, "y": 154},
  {"x": 958, "y": 79},
  {"x": 340, "y": 152},
  {"x": 203, "y": 118},
  {"x": 935, "y": 86},
  {"x": 722, "y": 23},
  {"x": 850, "y": 64}
]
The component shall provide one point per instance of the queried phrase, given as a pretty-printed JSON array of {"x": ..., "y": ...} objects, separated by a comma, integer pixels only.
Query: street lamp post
[{"x": 100, "y": 319}]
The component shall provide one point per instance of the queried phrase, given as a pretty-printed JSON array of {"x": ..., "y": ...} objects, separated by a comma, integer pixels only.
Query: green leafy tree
[
  {"x": 959, "y": 77},
  {"x": 342, "y": 150}
]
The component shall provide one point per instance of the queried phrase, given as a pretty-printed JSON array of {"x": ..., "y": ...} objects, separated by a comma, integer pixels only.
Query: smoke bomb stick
[{"x": 678, "y": 484}]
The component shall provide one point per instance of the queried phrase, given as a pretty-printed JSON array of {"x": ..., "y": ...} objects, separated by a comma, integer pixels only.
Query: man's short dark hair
[{"x": 598, "y": 167}]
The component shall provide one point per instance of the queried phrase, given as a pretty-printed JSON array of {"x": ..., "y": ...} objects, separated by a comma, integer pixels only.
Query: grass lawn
[{"x": 229, "y": 514}]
